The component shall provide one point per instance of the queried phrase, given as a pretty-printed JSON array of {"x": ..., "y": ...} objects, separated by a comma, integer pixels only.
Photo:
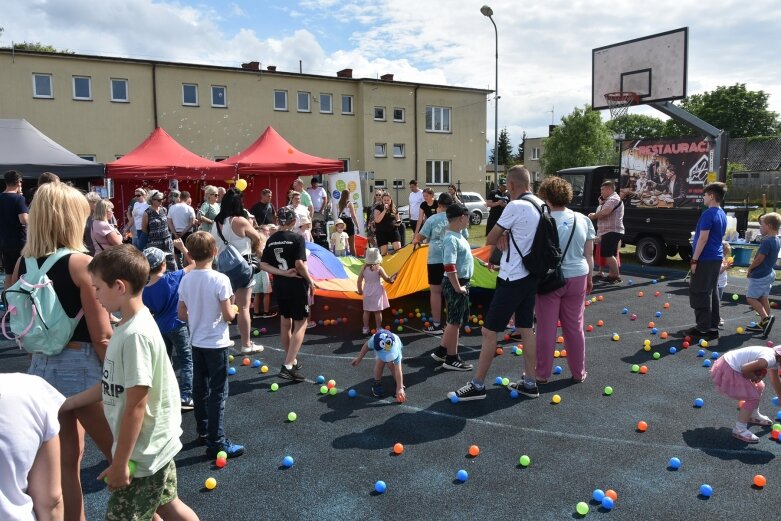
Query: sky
[{"x": 544, "y": 45}]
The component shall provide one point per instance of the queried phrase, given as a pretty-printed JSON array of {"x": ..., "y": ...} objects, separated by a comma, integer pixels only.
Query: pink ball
[{"x": 770, "y": 343}]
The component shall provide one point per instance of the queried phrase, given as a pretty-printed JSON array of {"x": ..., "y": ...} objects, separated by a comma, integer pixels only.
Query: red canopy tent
[
  {"x": 156, "y": 161},
  {"x": 272, "y": 162}
]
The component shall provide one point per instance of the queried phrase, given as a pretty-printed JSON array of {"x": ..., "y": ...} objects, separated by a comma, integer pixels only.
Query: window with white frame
[
  {"x": 119, "y": 91},
  {"x": 280, "y": 100},
  {"x": 437, "y": 119},
  {"x": 437, "y": 172},
  {"x": 82, "y": 88},
  {"x": 42, "y": 86},
  {"x": 219, "y": 96},
  {"x": 398, "y": 150},
  {"x": 535, "y": 154},
  {"x": 326, "y": 103},
  {"x": 190, "y": 94},
  {"x": 347, "y": 104},
  {"x": 304, "y": 102},
  {"x": 379, "y": 113},
  {"x": 380, "y": 150},
  {"x": 380, "y": 183},
  {"x": 399, "y": 114}
]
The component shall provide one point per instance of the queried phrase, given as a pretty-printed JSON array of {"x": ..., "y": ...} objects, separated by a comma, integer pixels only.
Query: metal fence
[{"x": 752, "y": 185}]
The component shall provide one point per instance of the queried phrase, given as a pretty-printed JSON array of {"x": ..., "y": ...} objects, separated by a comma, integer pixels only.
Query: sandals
[
  {"x": 760, "y": 419},
  {"x": 745, "y": 435}
]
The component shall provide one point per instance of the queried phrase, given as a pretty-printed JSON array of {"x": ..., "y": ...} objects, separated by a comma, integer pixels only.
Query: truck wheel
[
  {"x": 650, "y": 251},
  {"x": 686, "y": 253},
  {"x": 476, "y": 218}
]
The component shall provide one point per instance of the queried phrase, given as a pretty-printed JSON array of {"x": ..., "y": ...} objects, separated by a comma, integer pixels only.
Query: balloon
[{"x": 241, "y": 184}]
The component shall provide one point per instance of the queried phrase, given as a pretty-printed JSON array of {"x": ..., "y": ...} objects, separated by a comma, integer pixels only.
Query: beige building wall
[
  {"x": 109, "y": 129},
  {"x": 532, "y": 152}
]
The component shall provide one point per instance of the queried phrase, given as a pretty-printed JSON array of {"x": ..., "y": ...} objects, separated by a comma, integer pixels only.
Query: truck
[{"x": 658, "y": 221}]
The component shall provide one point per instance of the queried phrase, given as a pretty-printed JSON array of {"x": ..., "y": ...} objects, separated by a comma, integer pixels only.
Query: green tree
[
  {"x": 505, "y": 150},
  {"x": 739, "y": 111},
  {"x": 37, "y": 47},
  {"x": 637, "y": 126},
  {"x": 580, "y": 140},
  {"x": 519, "y": 159}
]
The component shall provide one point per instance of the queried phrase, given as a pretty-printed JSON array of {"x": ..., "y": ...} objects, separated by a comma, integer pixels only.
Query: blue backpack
[{"x": 33, "y": 310}]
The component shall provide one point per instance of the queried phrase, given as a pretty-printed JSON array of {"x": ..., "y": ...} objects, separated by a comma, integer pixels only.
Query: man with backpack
[{"x": 515, "y": 233}]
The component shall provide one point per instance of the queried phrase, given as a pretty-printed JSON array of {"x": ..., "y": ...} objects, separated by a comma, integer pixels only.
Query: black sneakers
[
  {"x": 434, "y": 329},
  {"x": 377, "y": 390},
  {"x": 440, "y": 354},
  {"x": 767, "y": 325},
  {"x": 531, "y": 391},
  {"x": 233, "y": 450},
  {"x": 468, "y": 392},
  {"x": 456, "y": 364},
  {"x": 291, "y": 374}
]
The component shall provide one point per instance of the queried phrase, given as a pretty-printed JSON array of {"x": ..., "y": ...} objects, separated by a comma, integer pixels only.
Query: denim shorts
[
  {"x": 70, "y": 372},
  {"x": 760, "y": 287}
]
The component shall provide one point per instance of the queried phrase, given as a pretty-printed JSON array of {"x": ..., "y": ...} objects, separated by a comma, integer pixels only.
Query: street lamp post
[{"x": 487, "y": 11}]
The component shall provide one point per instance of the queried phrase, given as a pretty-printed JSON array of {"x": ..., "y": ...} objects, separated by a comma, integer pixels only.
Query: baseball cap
[
  {"x": 286, "y": 215},
  {"x": 154, "y": 256},
  {"x": 387, "y": 346}
]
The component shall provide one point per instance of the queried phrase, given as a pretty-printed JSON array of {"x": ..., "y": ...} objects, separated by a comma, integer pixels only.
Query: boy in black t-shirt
[{"x": 285, "y": 257}]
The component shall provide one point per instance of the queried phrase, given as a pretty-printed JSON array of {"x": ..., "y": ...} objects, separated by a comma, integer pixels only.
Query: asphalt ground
[{"x": 342, "y": 445}]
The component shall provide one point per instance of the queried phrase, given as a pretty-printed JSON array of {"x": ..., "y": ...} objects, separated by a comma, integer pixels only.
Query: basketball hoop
[{"x": 619, "y": 102}]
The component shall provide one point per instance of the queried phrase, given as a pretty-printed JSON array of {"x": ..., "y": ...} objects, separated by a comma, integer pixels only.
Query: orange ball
[
  {"x": 663, "y": 335},
  {"x": 398, "y": 448},
  {"x": 387, "y": 328},
  {"x": 506, "y": 337},
  {"x": 666, "y": 305},
  {"x": 657, "y": 294},
  {"x": 651, "y": 325},
  {"x": 560, "y": 340},
  {"x": 373, "y": 331},
  {"x": 640, "y": 294},
  {"x": 563, "y": 352},
  {"x": 601, "y": 323},
  {"x": 246, "y": 361},
  {"x": 588, "y": 303},
  {"x": 760, "y": 480},
  {"x": 685, "y": 345},
  {"x": 589, "y": 328},
  {"x": 600, "y": 298},
  {"x": 499, "y": 351},
  {"x": 325, "y": 307},
  {"x": 741, "y": 403},
  {"x": 474, "y": 450},
  {"x": 611, "y": 494},
  {"x": 642, "y": 426},
  {"x": 643, "y": 369}
]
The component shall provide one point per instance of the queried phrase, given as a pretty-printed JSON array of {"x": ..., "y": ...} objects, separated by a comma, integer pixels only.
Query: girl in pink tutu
[
  {"x": 739, "y": 374},
  {"x": 375, "y": 299}
]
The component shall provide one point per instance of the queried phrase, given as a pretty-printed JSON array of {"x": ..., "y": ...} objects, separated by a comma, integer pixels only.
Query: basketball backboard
[{"x": 652, "y": 66}]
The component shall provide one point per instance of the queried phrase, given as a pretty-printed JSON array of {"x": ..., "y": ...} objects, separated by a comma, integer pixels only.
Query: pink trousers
[{"x": 565, "y": 304}]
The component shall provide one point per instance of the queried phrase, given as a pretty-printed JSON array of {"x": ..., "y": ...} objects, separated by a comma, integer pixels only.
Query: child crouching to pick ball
[
  {"x": 739, "y": 374},
  {"x": 387, "y": 348}
]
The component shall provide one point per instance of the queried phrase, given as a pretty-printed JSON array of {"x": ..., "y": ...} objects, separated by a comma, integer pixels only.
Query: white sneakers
[{"x": 252, "y": 348}]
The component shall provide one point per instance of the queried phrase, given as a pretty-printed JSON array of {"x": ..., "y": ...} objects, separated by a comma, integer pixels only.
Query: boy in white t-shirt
[
  {"x": 140, "y": 395},
  {"x": 205, "y": 304},
  {"x": 339, "y": 239}
]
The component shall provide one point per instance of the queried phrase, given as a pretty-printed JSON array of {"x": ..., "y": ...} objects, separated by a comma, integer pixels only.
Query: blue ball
[
  {"x": 380, "y": 487},
  {"x": 701, "y": 353},
  {"x": 654, "y": 331},
  {"x": 498, "y": 380},
  {"x": 319, "y": 322},
  {"x": 462, "y": 475},
  {"x": 714, "y": 355},
  {"x": 699, "y": 402},
  {"x": 653, "y": 281},
  {"x": 288, "y": 462},
  {"x": 658, "y": 314},
  {"x": 775, "y": 401},
  {"x": 396, "y": 322},
  {"x": 598, "y": 494},
  {"x": 321, "y": 379},
  {"x": 607, "y": 503},
  {"x": 454, "y": 399},
  {"x": 256, "y": 363},
  {"x": 706, "y": 490},
  {"x": 352, "y": 393},
  {"x": 557, "y": 369},
  {"x": 706, "y": 363},
  {"x": 231, "y": 371},
  {"x": 625, "y": 311},
  {"x": 674, "y": 463},
  {"x": 514, "y": 394},
  {"x": 673, "y": 350},
  {"x": 753, "y": 324},
  {"x": 630, "y": 282}
]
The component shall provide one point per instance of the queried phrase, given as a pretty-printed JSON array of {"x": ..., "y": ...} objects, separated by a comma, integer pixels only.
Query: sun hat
[
  {"x": 373, "y": 256},
  {"x": 338, "y": 222}
]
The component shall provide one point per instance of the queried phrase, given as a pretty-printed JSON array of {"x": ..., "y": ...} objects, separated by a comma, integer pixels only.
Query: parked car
[{"x": 472, "y": 200}]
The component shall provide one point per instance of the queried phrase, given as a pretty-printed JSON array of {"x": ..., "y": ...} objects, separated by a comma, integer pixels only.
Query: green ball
[
  {"x": 582, "y": 508},
  {"x": 291, "y": 416},
  {"x": 255, "y": 332},
  {"x": 657, "y": 356},
  {"x": 275, "y": 386},
  {"x": 777, "y": 426},
  {"x": 635, "y": 368},
  {"x": 505, "y": 382},
  {"x": 524, "y": 460},
  {"x": 400, "y": 329},
  {"x": 609, "y": 390},
  {"x": 735, "y": 297},
  {"x": 332, "y": 391},
  {"x": 323, "y": 389},
  {"x": 222, "y": 454}
]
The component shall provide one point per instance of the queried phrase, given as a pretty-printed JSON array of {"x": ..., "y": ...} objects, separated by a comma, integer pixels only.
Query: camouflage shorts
[{"x": 139, "y": 500}]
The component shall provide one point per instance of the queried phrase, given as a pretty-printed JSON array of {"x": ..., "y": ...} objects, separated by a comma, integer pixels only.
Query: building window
[
  {"x": 190, "y": 94},
  {"x": 82, "y": 88},
  {"x": 380, "y": 150},
  {"x": 345, "y": 164},
  {"x": 217, "y": 159},
  {"x": 380, "y": 183},
  {"x": 398, "y": 150},
  {"x": 398, "y": 115},
  {"x": 88, "y": 157},
  {"x": 347, "y": 104},
  {"x": 379, "y": 113},
  {"x": 42, "y": 86},
  {"x": 437, "y": 172},
  {"x": 304, "y": 102},
  {"x": 280, "y": 100},
  {"x": 437, "y": 119},
  {"x": 219, "y": 96},
  {"x": 326, "y": 103},
  {"x": 119, "y": 90},
  {"x": 535, "y": 154}
]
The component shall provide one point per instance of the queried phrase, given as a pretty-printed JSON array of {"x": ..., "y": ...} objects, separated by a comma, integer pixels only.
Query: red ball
[{"x": 221, "y": 462}]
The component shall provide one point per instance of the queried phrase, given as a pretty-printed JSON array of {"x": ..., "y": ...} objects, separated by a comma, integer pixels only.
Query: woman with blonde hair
[
  {"x": 104, "y": 234},
  {"x": 209, "y": 209},
  {"x": 57, "y": 216}
]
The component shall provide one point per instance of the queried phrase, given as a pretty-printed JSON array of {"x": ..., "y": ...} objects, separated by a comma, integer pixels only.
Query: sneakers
[
  {"x": 760, "y": 419},
  {"x": 613, "y": 280},
  {"x": 468, "y": 392},
  {"x": 365, "y": 330},
  {"x": 440, "y": 354},
  {"x": 744, "y": 435},
  {"x": 767, "y": 326},
  {"x": 755, "y": 328},
  {"x": 187, "y": 403},
  {"x": 270, "y": 314},
  {"x": 252, "y": 348},
  {"x": 377, "y": 390},
  {"x": 456, "y": 364},
  {"x": 532, "y": 391},
  {"x": 696, "y": 334},
  {"x": 311, "y": 324},
  {"x": 433, "y": 329},
  {"x": 598, "y": 277},
  {"x": 516, "y": 336},
  {"x": 291, "y": 374},
  {"x": 233, "y": 450},
  {"x": 721, "y": 323}
]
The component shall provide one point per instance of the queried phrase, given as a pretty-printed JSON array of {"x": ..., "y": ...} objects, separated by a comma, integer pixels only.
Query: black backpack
[{"x": 545, "y": 253}]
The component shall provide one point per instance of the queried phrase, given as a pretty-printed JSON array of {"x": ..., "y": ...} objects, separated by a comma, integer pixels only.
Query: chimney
[
  {"x": 387, "y": 77},
  {"x": 272, "y": 68},
  {"x": 251, "y": 66},
  {"x": 345, "y": 73}
]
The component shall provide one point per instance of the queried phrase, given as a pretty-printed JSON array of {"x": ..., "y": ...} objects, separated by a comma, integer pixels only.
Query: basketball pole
[{"x": 487, "y": 11}]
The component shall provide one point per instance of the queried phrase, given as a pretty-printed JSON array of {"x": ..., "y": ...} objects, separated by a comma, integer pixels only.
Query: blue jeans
[
  {"x": 70, "y": 372},
  {"x": 139, "y": 241},
  {"x": 177, "y": 341},
  {"x": 210, "y": 391}
]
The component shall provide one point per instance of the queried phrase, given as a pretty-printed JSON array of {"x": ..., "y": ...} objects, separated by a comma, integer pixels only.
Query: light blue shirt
[
  {"x": 434, "y": 230},
  {"x": 574, "y": 264},
  {"x": 456, "y": 250}
]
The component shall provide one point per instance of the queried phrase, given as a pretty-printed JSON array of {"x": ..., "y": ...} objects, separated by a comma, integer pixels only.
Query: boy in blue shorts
[
  {"x": 762, "y": 274},
  {"x": 139, "y": 393}
]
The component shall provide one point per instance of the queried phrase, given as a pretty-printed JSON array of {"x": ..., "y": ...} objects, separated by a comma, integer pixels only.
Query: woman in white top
[
  {"x": 104, "y": 234},
  {"x": 239, "y": 232},
  {"x": 347, "y": 214},
  {"x": 137, "y": 214}
]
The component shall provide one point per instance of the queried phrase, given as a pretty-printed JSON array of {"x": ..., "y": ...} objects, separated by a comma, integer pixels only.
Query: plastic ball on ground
[
  {"x": 264, "y": 369},
  {"x": 607, "y": 503},
  {"x": 210, "y": 483},
  {"x": 666, "y": 305},
  {"x": 642, "y": 426},
  {"x": 616, "y": 338},
  {"x": 332, "y": 391},
  {"x": 600, "y": 323},
  {"x": 221, "y": 462},
  {"x": 352, "y": 393},
  {"x": 560, "y": 340},
  {"x": 288, "y": 462},
  {"x": 499, "y": 351},
  {"x": 256, "y": 363},
  {"x": 556, "y": 399},
  {"x": 643, "y": 369},
  {"x": 454, "y": 398},
  {"x": 323, "y": 389},
  {"x": 663, "y": 335},
  {"x": 653, "y": 281},
  {"x": 599, "y": 298},
  {"x": 398, "y": 448},
  {"x": 505, "y": 382},
  {"x": 256, "y": 332},
  {"x": 246, "y": 361},
  {"x": 699, "y": 402},
  {"x": 524, "y": 461},
  {"x": 770, "y": 343},
  {"x": 624, "y": 311},
  {"x": 589, "y": 328},
  {"x": 735, "y": 297},
  {"x": 647, "y": 347},
  {"x": 706, "y": 490},
  {"x": 640, "y": 294},
  {"x": 231, "y": 358},
  {"x": 703, "y": 343},
  {"x": 474, "y": 450},
  {"x": 611, "y": 494},
  {"x": 658, "y": 314},
  {"x": 498, "y": 380},
  {"x": 320, "y": 379},
  {"x": 657, "y": 356},
  {"x": 275, "y": 386},
  {"x": 582, "y": 508},
  {"x": 739, "y": 330},
  {"x": 556, "y": 353},
  {"x": 706, "y": 363},
  {"x": 674, "y": 464},
  {"x": 557, "y": 369},
  {"x": 331, "y": 383},
  {"x": 776, "y": 401},
  {"x": 701, "y": 353},
  {"x": 760, "y": 481},
  {"x": 608, "y": 390},
  {"x": 598, "y": 494},
  {"x": 231, "y": 371},
  {"x": 685, "y": 344},
  {"x": 654, "y": 331},
  {"x": 467, "y": 330},
  {"x": 563, "y": 353},
  {"x": 380, "y": 487},
  {"x": 651, "y": 325},
  {"x": 673, "y": 350},
  {"x": 291, "y": 416},
  {"x": 657, "y": 294},
  {"x": 714, "y": 355},
  {"x": 462, "y": 475},
  {"x": 630, "y": 282},
  {"x": 263, "y": 330},
  {"x": 514, "y": 394},
  {"x": 633, "y": 317},
  {"x": 635, "y": 368}
]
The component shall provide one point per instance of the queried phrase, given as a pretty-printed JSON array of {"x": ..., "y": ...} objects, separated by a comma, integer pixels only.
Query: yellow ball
[
  {"x": 241, "y": 184},
  {"x": 556, "y": 353},
  {"x": 556, "y": 398},
  {"x": 480, "y": 323},
  {"x": 739, "y": 330},
  {"x": 646, "y": 342},
  {"x": 647, "y": 347},
  {"x": 210, "y": 483},
  {"x": 230, "y": 358},
  {"x": 704, "y": 343},
  {"x": 616, "y": 338},
  {"x": 264, "y": 369},
  {"x": 593, "y": 299}
]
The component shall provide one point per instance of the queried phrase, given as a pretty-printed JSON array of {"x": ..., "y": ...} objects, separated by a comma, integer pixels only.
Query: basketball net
[{"x": 619, "y": 102}]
